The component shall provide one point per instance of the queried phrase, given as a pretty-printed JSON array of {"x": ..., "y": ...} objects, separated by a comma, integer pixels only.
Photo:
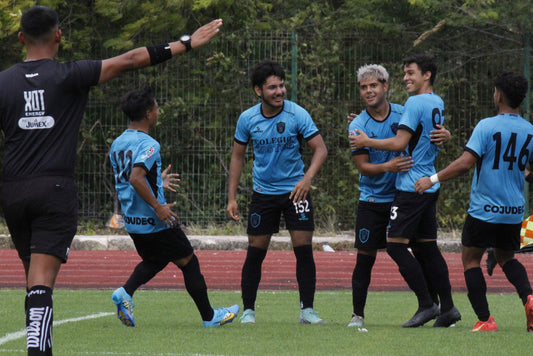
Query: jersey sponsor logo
[
  {"x": 255, "y": 220},
  {"x": 364, "y": 234},
  {"x": 149, "y": 152},
  {"x": 34, "y": 102},
  {"x": 257, "y": 130},
  {"x": 136, "y": 220},
  {"x": 504, "y": 209},
  {"x": 36, "y": 123},
  {"x": 280, "y": 126}
]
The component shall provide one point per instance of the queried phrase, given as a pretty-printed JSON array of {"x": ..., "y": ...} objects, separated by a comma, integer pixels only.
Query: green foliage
[{"x": 320, "y": 43}]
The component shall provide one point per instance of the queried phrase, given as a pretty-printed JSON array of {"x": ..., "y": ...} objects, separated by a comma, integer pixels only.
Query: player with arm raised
[{"x": 42, "y": 102}]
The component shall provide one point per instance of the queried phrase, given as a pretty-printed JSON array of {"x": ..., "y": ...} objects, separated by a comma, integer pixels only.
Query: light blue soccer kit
[
  {"x": 137, "y": 149},
  {"x": 421, "y": 115},
  {"x": 379, "y": 188},
  {"x": 503, "y": 146},
  {"x": 276, "y": 144}
]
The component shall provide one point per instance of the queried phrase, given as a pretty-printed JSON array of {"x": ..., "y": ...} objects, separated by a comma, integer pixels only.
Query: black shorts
[
  {"x": 41, "y": 214},
  {"x": 371, "y": 225},
  {"x": 163, "y": 246},
  {"x": 414, "y": 216},
  {"x": 478, "y": 233},
  {"x": 265, "y": 213}
]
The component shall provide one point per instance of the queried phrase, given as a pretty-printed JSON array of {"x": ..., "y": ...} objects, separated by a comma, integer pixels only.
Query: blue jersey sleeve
[{"x": 147, "y": 155}]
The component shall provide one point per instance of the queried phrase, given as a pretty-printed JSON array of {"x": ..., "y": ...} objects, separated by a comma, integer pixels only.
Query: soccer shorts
[
  {"x": 414, "y": 216},
  {"x": 265, "y": 213},
  {"x": 478, "y": 233},
  {"x": 41, "y": 214},
  {"x": 371, "y": 225},
  {"x": 163, "y": 246}
]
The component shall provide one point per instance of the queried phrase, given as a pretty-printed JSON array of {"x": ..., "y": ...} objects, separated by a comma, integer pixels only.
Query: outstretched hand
[
  {"x": 170, "y": 180},
  {"x": 202, "y": 35}
]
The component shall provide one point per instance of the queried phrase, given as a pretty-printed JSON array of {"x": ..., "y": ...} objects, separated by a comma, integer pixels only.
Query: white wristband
[{"x": 434, "y": 178}]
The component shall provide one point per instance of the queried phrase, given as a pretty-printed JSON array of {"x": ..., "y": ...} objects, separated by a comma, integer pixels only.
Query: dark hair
[
  {"x": 137, "y": 102},
  {"x": 425, "y": 63},
  {"x": 39, "y": 21},
  {"x": 265, "y": 69},
  {"x": 513, "y": 86}
]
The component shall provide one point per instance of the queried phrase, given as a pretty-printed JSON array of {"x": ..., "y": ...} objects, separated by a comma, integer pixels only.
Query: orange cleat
[{"x": 489, "y": 325}]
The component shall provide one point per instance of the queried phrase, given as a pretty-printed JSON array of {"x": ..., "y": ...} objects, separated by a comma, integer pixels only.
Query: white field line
[{"x": 22, "y": 333}]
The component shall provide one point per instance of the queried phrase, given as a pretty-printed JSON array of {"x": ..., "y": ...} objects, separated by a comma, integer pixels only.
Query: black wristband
[
  {"x": 529, "y": 178},
  {"x": 159, "y": 53}
]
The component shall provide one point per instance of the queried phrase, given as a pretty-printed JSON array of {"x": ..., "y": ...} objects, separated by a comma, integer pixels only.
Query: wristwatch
[{"x": 186, "y": 40}]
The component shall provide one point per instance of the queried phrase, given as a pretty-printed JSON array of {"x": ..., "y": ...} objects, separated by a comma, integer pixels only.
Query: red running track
[{"x": 222, "y": 271}]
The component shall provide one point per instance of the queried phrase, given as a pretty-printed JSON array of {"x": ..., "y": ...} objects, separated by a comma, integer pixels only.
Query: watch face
[{"x": 185, "y": 38}]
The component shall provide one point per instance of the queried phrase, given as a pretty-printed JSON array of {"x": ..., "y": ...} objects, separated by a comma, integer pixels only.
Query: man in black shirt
[{"x": 42, "y": 103}]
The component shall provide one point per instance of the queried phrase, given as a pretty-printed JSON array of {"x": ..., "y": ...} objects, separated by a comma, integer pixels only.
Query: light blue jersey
[
  {"x": 379, "y": 188},
  {"x": 503, "y": 147},
  {"x": 137, "y": 149},
  {"x": 276, "y": 144},
  {"x": 421, "y": 115}
]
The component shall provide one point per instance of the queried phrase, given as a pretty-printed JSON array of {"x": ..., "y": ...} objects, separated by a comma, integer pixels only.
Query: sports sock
[
  {"x": 305, "y": 275},
  {"x": 360, "y": 281},
  {"x": 251, "y": 275},
  {"x": 195, "y": 285},
  {"x": 436, "y": 271},
  {"x": 517, "y": 275},
  {"x": 477, "y": 292},
  {"x": 411, "y": 272},
  {"x": 39, "y": 319},
  {"x": 142, "y": 273},
  {"x": 431, "y": 288}
]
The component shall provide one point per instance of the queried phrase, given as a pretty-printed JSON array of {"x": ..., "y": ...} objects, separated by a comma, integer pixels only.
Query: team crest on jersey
[
  {"x": 281, "y": 127},
  {"x": 364, "y": 234},
  {"x": 149, "y": 152},
  {"x": 255, "y": 220}
]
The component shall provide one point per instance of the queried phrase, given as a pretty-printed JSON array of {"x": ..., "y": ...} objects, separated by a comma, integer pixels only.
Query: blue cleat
[
  {"x": 309, "y": 316},
  {"x": 248, "y": 316},
  {"x": 124, "y": 305},
  {"x": 222, "y": 316}
]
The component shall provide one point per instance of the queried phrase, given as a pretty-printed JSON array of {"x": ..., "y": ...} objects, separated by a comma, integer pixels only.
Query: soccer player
[
  {"x": 153, "y": 226},
  {"x": 413, "y": 216},
  {"x": 377, "y": 178},
  {"x": 42, "y": 103},
  {"x": 276, "y": 128},
  {"x": 500, "y": 148}
]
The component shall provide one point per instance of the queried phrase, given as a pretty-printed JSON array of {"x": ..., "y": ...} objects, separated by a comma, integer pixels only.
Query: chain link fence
[{"x": 202, "y": 93}]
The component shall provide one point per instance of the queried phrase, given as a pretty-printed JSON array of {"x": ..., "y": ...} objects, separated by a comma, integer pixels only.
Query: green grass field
[{"x": 169, "y": 324}]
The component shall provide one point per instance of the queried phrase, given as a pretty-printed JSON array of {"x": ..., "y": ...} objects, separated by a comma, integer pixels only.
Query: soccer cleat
[
  {"x": 357, "y": 321},
  {"x": 248, "y": 317},
  {"x": 448, "y": 318},
  {"x": 124, "y": 305},
  {"x": 422, "y": 316},
  {"x": 489, "y": 325},
  {"x": 309, "y": 316},
  {"x": 491, "y": 261},
  {"x": 529, "y": 312},
  {"x": 222, "y": 316}
]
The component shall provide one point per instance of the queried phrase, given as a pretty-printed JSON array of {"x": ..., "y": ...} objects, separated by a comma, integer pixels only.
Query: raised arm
[{"x": 144, "y": 56}]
